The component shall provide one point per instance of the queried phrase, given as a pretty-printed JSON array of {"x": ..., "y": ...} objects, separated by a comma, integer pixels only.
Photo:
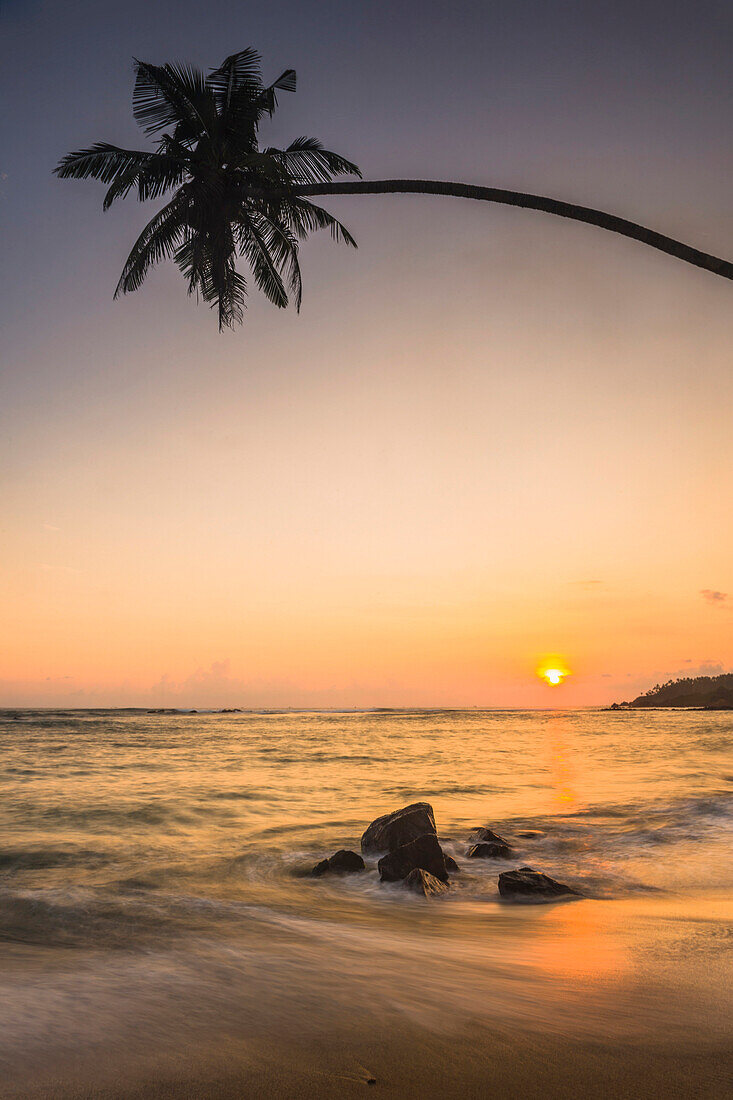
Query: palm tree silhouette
[{"x": 231, "y": 198}]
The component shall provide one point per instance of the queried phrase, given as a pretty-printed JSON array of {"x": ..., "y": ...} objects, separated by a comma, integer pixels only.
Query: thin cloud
[
  {"x": 705, "y": 668},
  {"x": 713, "y": 596}
]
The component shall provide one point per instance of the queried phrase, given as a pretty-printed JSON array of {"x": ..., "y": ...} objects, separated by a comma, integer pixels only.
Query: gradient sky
[{"x": 489, "y": 437}]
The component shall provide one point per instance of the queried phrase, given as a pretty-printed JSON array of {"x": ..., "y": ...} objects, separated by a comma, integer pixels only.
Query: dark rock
[
  {"x": 342, "y": 862},
  {"x": 425, "y": 852},
  {"x": 489, "y": 851},
  {"x": 488, "y": 835},
  {"x": 528, "y": 883},
  {"x": 393, "y": 830},
  {"x": 450, "y": 863},
  {"x": 422, "y": 882}
]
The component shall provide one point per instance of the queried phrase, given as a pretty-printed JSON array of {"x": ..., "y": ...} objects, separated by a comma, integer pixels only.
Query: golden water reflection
[{"x": 562, "y": 764}]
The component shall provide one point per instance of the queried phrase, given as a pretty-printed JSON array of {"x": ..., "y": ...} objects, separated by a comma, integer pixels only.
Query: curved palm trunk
[{"x": 530, "y": 202}]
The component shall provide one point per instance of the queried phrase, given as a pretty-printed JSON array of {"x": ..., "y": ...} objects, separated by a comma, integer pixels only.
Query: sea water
[{"x": 154, "y": 885}]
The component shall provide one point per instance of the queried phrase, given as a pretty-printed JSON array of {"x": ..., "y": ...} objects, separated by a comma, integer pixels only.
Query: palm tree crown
[{"x": 230, "y": 198}]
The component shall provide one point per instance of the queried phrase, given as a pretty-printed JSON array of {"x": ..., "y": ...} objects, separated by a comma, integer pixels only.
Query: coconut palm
[{"x": 230, "y": 198}]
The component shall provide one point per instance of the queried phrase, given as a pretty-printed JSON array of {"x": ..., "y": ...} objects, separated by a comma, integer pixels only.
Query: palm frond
[
  {"x": 174, "y": 96},
  {"x": 305, "y": 217},
  {"x": 123, "y": 169},
  {"x": 286, "y": 82},
  {"x": 194, "y": 262},
  {"x": 151, "y": 181},
  {"x": 284, "y": 246},
  {"x": 239, "y": 69},
  {"x": 207, "y": 261},
  {"x": 231, "y": 302},
  {"x": 100, "y": 162},
  {"x": 272, "y": 253},
  {"x": 266, "y": 275},
  {"x": 241, "y": 98},
  {"x": 158, "y": 241},
  {"x": 306, "y": 161}
]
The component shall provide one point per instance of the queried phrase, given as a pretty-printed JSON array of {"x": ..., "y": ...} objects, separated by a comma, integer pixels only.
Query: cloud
[
  {"x": 711, "y": 595},
  {"x": 586, "y": 584},
  {"x": 705, "y": 668}
]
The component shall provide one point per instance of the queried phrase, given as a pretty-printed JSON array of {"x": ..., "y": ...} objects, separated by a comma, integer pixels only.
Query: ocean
[{"x": 156, "y": 905}]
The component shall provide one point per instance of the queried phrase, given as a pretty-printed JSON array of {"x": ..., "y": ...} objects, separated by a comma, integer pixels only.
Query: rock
[
  {"x": 342, "y": 862},
  {"x": 528, "y": 883},
  {"x": 422, "y": 882},
  {"x": 450, "y": 863},
  {"x": 489, "y": 851},
  {"x": 489, "y": 845},
  {"x": 393, "y": 830},
  {"x": 425, "y": 853},
  {"x": 488, "y": 835},
  {"x": 531, "y": 834}
]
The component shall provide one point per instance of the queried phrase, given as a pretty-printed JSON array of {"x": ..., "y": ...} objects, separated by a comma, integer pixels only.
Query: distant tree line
[{"x": 689, "y": 691}]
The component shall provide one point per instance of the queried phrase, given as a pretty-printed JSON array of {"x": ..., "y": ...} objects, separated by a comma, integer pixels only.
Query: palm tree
[{"x": 230, "y": 198}]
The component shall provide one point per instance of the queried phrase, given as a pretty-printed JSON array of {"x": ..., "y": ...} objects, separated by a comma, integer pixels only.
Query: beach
[{"x": 161, "y": 935}]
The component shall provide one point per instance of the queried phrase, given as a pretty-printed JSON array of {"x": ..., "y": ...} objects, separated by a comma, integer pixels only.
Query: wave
[
  {"x": 40, "y": 858},
  {"x": 157, "y": 814},
  {"x": 412, "y": 794}
]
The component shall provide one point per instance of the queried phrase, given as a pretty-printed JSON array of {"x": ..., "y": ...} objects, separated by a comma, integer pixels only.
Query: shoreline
[{"x": 300, "y": 1025}]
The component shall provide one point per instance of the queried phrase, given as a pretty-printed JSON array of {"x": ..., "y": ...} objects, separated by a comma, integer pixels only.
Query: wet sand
[
  {"x": 411, "y": 1063},
  {"x": 603, "y": 999}
]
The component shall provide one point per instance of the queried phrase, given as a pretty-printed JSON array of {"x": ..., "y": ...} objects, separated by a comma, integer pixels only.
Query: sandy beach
[{"x": 413, "y": 1064}]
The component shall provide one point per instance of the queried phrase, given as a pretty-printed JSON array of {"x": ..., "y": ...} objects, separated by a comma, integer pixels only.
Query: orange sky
[
  {"x": 442, "y": 502},
  {"x": 489, "y": 436}
]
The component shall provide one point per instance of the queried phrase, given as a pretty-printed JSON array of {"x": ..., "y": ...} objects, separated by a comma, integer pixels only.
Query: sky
[{"x": 491, "y": 440}]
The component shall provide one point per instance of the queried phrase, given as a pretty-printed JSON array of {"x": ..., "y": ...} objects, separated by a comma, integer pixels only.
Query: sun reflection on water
[{"x": 562, "y": 764}]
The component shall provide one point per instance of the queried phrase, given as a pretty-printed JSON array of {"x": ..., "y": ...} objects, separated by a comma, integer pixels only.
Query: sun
[{"x": 553, "y": 674}]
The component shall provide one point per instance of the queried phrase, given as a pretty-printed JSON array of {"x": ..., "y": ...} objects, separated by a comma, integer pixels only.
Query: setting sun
[{"x": 553, "y": 676}]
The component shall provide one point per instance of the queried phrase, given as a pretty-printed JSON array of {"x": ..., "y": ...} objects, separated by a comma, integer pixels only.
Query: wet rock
[
  {"x": 342, "y": 862},
  {"x": 528, "y": 883},
  {"x": 481, "y": 833},
  {"x": 489, "y": 851},
  {"x": 422, "y": 882},
  {"x": 424, "y": 853},
  {"x": 450, "y": 863},
  {"x": 392, "y": 831}
]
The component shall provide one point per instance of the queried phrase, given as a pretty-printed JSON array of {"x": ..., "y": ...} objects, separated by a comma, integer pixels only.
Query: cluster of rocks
[{"x": 414, "y": 857}]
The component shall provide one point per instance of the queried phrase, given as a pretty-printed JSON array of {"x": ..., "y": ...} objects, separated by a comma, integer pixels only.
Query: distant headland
[{"x": 706, "y": 692}]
